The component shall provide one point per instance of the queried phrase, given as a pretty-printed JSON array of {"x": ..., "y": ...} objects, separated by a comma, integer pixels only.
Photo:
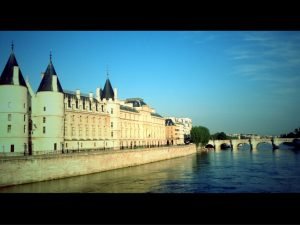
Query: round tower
[
  {"x": 48, "y": 114},
  {"x": 13, "y": 109},
  {"x": 110, "y": 99}
]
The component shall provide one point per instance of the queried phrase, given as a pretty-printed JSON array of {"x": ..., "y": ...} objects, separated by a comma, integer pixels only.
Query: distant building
[{"x": 177, "y": 129}]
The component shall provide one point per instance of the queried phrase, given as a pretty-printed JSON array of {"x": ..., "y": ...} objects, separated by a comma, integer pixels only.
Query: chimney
[
  {"x": 91, "y": 96},
  {"x": 16, "y": 75},
  {"x": 78, "y": 94},
  {"x": 98, "y": 94},
  {"x": 54, "y": 83},
  {"x": 116, "y": 93}
]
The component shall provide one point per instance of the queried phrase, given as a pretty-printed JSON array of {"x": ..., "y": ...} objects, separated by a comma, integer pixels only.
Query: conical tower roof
[
  {"x": 47, "y": 81},
  {"x": 7, "y": 74},
  {"x": 108, "y": 92}
]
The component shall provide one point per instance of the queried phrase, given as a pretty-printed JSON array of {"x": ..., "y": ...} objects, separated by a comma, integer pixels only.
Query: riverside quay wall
[{"x": 28, "y": 169}]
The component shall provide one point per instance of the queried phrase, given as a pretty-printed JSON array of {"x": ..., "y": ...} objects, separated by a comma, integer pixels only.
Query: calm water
[{"x": 240, "y": 171}]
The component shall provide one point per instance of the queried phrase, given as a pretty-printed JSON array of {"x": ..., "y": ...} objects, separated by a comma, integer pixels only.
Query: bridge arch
[
  {"x": 263, "y": 142},
  {"x": 209, "y": 146},
  {"x": 238, "y": 142}
]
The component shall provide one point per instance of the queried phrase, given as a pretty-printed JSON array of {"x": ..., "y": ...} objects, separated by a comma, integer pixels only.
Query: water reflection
[{"x": 240, "y": 171}]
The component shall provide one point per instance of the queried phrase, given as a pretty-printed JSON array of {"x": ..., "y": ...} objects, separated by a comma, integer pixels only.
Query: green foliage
[
  {"x": 220, "y": 136},
  {"x": 200, "y": 135},
  {"x": 295, "y": 134}
]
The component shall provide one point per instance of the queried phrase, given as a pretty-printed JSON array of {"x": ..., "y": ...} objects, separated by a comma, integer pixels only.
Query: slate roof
[
  {"x": 126, "y": 108},
  {"x": 136, "y": 102},
  {"x": 46, "y": 83},
  {"x": 108, "y": 92},
  {"x": 7, "y": 74},
  {"x": 169, "y": 122},
  {"x": 156, "y": 114}
]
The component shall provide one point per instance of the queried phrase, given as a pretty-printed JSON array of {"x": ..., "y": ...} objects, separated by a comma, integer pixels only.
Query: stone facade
[
  {"x": 176, "y": 129},
  {"x": 53, "y": 119}
]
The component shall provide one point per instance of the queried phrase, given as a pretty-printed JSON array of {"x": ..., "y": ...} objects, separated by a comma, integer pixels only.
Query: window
[
  {"x": 66, "y": 145},
  {"x": 102, "y": 108},
  {"x": 80, "y": 131},
  {"x": 8, "y": 128},
  {"x": 44, "y": 108},
  {"x": 112, "y": 134},
  {"x": 55, "y": 146},
  {"x": 44, "y": 130},
  {"x": 24, "y": 129},
  {"x": 24, "y": 117},
  {"x": 44, "y": 119},
  {"x": 90, "y": 106},
  {"x": 69, "y": 102},
  {"x": 96, "y": 106},
  {"x": 9, "y": 117},
  {"x": 112, "y": 111},
  {"x": 12, "y": 148},
  {"x": 83, "y": 103},
  {"x": 29, "y": 109},
  {"x": 76, "y": 104},
  {"x": 112, "y": 125}
]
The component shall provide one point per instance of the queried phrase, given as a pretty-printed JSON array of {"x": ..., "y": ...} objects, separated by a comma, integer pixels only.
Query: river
[{"x": 226, "y": 171}]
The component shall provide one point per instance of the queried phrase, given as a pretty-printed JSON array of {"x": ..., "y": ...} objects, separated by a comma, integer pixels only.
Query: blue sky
[{"x": 233, "y": 81}]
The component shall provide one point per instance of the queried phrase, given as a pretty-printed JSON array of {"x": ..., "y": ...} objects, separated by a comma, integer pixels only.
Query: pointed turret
[
  {"x": 14, "y": 105},
  {"x": 12, "y": 74},
  {"x": 50, "y": 81},
  {"x": 108, "y": 92}
]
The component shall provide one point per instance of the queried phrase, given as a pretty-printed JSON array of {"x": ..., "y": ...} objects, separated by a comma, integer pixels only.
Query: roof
[
  {"x": 83, "y": 96},
  {"x": 46, "y": 83},
  {"x": 108, "y": 92},
  {"x": 156, "y": 114},
  {"x": 127, "y": 108},
  {"x": 136, "y": 102},
  {"x": 7, "y": 74},
  {"x": 169, "y": 122}
]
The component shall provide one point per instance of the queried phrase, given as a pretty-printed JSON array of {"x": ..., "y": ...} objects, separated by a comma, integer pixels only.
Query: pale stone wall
[
  {"x": 86, "y": 128},
  {"x": 113, "y": 109},
  {"x": 18, "y": 170},
  {"x": 13, "y": 118},
  {"x": 47, "y": 121},
  {"x": 140, "y": 128}
]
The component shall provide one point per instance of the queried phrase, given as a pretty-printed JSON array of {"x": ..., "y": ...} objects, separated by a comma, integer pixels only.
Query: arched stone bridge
[{"x": 253, "y": 142}]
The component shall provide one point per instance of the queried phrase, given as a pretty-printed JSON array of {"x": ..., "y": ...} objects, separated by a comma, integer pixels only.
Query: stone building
[{"x": 56, "y": 120}]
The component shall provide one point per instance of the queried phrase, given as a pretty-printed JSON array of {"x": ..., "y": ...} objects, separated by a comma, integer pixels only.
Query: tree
[
  {"x": 200, "y": 135},
  {"x": 220, "y": 136}
]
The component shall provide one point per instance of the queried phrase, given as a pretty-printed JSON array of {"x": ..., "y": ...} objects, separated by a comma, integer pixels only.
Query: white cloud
[{"x": 268, "y": 57}]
